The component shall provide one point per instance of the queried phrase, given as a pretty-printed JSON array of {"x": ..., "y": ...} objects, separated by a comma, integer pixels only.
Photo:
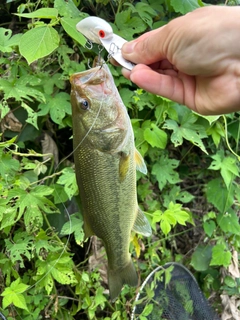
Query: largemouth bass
[{"x": 106, "y": 161}]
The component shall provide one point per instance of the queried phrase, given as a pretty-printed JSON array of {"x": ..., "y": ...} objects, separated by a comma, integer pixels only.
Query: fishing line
[{"x": 64, "y": 206}]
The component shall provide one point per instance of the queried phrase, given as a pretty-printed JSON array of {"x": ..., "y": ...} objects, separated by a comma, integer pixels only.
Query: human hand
[{"x": 193, "y": 60}]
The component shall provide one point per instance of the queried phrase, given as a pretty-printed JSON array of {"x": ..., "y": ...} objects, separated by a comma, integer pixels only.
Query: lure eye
[
  {"x": 101, "y": 34},
  {"x": 85, "y": 105}
]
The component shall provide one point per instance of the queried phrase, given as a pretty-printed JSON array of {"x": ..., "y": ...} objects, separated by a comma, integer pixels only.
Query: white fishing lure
[{"x": 99, "y": 31}]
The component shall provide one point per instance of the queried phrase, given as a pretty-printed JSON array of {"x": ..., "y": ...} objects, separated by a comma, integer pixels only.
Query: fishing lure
[{"x": 97, "y": 30}]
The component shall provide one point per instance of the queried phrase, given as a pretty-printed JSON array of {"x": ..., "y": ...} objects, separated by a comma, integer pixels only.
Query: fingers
[{"x": 147, "y": 49}]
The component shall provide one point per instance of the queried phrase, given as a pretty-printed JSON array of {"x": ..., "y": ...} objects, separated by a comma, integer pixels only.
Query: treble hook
[{"x": 89, "y": 45}]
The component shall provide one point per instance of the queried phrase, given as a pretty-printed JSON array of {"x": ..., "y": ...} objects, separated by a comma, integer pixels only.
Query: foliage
[{"x": 193, "y": 168}]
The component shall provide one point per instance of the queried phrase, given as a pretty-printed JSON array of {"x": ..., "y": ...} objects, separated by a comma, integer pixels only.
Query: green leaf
[
  {"x": 6, "y": 41},
  {"x": 13, "y": 295},
  {"x": 68, "y": 9},
  {"x": 4, "y": 109},
  {"x": 69, "y": 25},
  {"x": 75, "y": 225},
  {"x": 186, "y": 5},
  {"x": 32, "y": 115},
  {"x": 8, "y": 165},
  {"x": 219, "y": 195},
  {"x": 58, "y": 106},
  {"x": 209, "y": 227},
  {"x": 220, "y": 256},
  {"x": 188, "y": 130},
  {"x": 175, "y": 194},
  {"x": 21, "y": 247},
  {"x": 38, "y": 43},
  {"x": 56, "y": 266},
  {"x": 68, "y": 180},
  {"x": 128, "y": 25},
  {"x": 216, "y": 131},
  {"x": 155, "y": 136},
  {"x": 164, "y": 171},
  {"x": 19, "y": 89},
  {"x": 227, "y": 166},
  {"x": 201, "y": 258},
  {"x": 230, "y": 282},
  {"x": 27, "y": 201},
  {"x": 229, "y": 222},
  {"x": 169, "y": 218},
  {"x": 175, "y": 212},
  {"x": 210, "y": 119},
  {"x": 43, "y": 13}
]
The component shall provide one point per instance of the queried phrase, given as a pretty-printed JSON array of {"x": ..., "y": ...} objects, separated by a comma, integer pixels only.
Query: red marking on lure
[{"x": 101, "y": 34}]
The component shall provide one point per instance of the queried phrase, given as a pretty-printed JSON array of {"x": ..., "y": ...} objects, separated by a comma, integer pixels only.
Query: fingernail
[{"x": 128, "y": 47}]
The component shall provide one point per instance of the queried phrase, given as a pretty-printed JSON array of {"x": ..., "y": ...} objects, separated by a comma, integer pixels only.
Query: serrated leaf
[
  {"x": 128, "y": 25},
  {"x": 32, "y": 115},
  {"x": 58, "y": 266},
  {"x": 6, "y": 41},
  {"x": 187, "y": 129},
  {"x": 38, "y": 43},
  {"x": 164, "y": 171},
  {"x": 43, "y": 13},
  {"x": 175, "y": 194},
  {"x": 58, "y": 106},
  {"x": 186, "y": 6},
  {"x": 69, "y": 25},
  {"x": 68, "y": 180},
  {"x": 20, "y": 248},
  {"x": 75, "y": 225},
  {"x": 227, "y": 166},
  {"x": 8, "y": 165},
  {"x": 155, "y": 136},
  {"x": 35, "y": 200},
  {"x": 220, "y": 256},
  {"x": 201, "y": 258},
  {"x": 19, "y": 90},
  {"x": 17, "y": 299}
]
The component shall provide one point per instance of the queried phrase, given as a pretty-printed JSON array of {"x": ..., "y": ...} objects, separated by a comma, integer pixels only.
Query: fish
[{"x": 105, "y": 163}]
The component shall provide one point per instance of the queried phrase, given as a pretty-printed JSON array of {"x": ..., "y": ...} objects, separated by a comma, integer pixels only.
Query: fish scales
[{"x": 105, "y": 160}]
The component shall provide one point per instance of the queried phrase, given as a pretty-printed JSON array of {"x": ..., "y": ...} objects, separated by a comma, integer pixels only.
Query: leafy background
[{"x": 191, "y": 193}]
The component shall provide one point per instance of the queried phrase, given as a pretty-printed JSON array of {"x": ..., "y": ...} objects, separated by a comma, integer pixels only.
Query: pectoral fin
[
  {"x": 124, "y": 164},
  {"x": 140, "y": 164},
  {"x": 141, "y": 224}
]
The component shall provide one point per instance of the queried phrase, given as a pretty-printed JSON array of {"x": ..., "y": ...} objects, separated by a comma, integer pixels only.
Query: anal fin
[{"x": 141, "y": 224}]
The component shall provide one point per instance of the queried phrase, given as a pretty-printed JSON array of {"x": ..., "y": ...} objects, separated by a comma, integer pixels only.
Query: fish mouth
[{"x": 96, "y": 80}]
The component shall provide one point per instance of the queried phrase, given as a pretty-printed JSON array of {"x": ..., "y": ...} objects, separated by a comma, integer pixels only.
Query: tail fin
[{"x": 117, "y": 278}]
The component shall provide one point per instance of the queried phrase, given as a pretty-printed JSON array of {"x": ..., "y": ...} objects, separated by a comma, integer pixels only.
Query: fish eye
[{"x": 85, "y": 104}]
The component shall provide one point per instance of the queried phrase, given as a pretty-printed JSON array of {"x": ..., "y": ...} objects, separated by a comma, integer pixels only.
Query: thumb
[{"x": 146, "y": 49}]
